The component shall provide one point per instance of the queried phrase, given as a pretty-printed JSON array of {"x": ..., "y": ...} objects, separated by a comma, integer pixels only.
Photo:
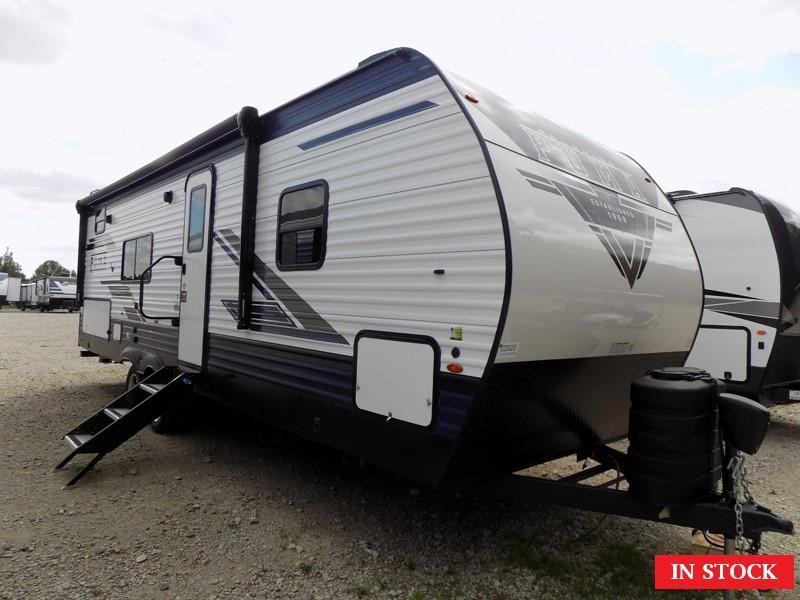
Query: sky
[{"x": 705, "y": 95}]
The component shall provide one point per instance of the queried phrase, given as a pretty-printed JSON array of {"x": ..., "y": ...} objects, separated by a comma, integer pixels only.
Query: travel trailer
[
  {"x": 400, "y": 265},
  {"x": 3, "y": 288},
  {"x": 26, "y": 296},
  {"x": 54, "y": 292},
  {"x": 749, "y": 251},
  {"x": 12, "y": 290}
]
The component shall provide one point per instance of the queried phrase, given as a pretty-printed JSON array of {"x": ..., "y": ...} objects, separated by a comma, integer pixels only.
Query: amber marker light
[
  {"x": 761, "y": 332},
  {"x": 455, "y": 368}
]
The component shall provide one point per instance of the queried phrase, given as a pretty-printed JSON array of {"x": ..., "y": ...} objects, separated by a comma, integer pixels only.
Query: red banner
[{"x": 724, "y": 572}]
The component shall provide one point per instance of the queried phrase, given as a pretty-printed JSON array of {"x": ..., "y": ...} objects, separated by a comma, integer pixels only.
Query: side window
[
  {"x": 128, "y": 259},
  {"x": 302, "y": 224},
  {"x": 100, "y": 221},
  {"x": 197, "y": 219},
  {"x": 137, "y": 254}
]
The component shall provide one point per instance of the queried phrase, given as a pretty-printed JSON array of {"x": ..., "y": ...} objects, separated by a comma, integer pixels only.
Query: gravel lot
[{"x": 230, "y": 509}]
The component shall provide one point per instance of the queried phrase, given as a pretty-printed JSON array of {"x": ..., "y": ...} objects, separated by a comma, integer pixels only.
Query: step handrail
[{"x": 144, "y": 279}]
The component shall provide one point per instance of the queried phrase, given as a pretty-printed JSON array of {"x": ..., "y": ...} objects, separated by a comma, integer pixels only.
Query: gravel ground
[{"x": 230, "y": 509}]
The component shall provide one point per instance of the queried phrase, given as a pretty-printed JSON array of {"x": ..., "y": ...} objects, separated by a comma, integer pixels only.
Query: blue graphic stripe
[
  {"x": 397, "y": 70},
  {"x": 368, "y": 124}
]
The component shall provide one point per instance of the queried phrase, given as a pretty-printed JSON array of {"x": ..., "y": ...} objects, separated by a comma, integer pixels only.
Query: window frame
[
  {"x": 188, "y": 232},
  {"x": 323, "y": 238},
  {"x": 100, "y": 217},
  {"x": 135, "y": 254}
]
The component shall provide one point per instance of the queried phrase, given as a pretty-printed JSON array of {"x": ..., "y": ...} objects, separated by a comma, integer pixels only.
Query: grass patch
[
  {"x": 545, "y": 562},
  {"x": 620, "y": 570},
  {"x": 626, "y": 566}
]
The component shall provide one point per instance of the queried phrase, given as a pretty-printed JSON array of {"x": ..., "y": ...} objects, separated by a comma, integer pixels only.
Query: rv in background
[
  {"x": 26, "y": 295},
  {"x": 9, "y": 289},
  {"x": 13, "y": 291},
  {"x": 3, "y": 288},
  {"x": 54, "y": 292},
  {"x": 749, "y": 251}
]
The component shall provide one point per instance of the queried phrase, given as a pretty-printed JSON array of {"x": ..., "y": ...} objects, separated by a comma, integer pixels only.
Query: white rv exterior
[
  {"x": 749, "y": 251},
  {"x": 3, "y": 288},
  {"x": 12, "y": 293},
  {"x": 26, "y": 295},
  {"x": 54, "y": 292},
  {"x": 398, "y": 264}
]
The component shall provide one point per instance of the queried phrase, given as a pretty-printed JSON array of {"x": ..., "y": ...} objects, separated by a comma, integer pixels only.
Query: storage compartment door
[
  {"x": 96, "y": 317},
  {"x": 395, "y": 376},
  {"x": 722, "y": 351}
]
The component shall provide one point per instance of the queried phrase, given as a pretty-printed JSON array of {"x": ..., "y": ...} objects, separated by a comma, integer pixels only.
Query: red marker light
[
  {"x": 471, "y": 98},
  {"x": 455, "y": 368},
  {"x": 761, "y": 332}
]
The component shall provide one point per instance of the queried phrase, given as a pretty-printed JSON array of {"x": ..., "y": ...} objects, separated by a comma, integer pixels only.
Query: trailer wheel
[
  {"x": 133, "y": 378},
  {"x": 167, "y": 423}
]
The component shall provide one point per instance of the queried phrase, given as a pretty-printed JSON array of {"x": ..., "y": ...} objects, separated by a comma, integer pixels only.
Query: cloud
[
  {"x": 53, "y": 187},
  {"x": 29, "y": 33},
  {"x": 781, "y": 5},
  {"x": 207, "y": 31}
]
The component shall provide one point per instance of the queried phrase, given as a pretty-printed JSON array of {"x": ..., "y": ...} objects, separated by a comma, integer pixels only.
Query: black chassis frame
[{"x": 716, "y": 514}]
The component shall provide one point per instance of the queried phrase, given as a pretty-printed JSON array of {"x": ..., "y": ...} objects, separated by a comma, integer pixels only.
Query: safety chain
[{"x": 741, "y": 491}]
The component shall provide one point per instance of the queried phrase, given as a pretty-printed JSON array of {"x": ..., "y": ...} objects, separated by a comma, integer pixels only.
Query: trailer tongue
[
  {"x": 685, "y": 435},
  {"x": 718, "y": 514}
]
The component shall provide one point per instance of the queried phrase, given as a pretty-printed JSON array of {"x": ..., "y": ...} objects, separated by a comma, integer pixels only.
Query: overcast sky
[{"x": 705, "y": 94}]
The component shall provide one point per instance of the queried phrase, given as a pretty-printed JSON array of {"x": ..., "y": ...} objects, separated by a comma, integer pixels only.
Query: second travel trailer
[
  {"x": 3, "y": 288},
  {"x": 12, "y": 290},
  {"x": 403, "y": 266},
  {"x": 26, "y": 296},
  {"x": 54, "y": 292},
  {"x": 749, "y": 251}
]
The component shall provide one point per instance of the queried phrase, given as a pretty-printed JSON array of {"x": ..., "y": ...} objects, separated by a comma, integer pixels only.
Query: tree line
[{"x": 46, "y": 269}]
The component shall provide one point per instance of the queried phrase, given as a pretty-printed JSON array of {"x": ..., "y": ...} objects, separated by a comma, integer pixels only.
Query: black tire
[
  {"x": 133, "y": 378},
  {"x": 167, "y": 423}
]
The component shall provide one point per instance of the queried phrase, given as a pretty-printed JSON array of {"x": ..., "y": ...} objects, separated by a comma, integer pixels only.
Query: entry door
[{"x": 196, "y": 254}]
